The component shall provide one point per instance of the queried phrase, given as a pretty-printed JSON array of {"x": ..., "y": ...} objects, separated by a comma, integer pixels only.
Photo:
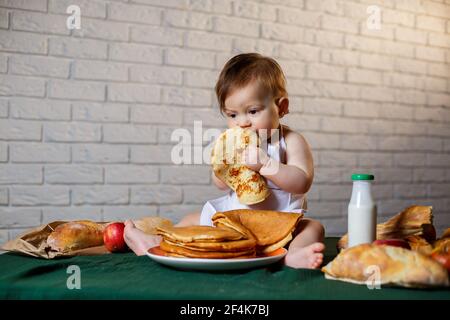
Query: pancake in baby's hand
[
  {"x": 198, "y": 234},
  {"x": 227, "y": 162}
]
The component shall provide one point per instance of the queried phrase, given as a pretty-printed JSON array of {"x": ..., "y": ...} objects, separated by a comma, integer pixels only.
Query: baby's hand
[
  {"x": 254, "y": 158},
  {"x": 137, "y": 240}
]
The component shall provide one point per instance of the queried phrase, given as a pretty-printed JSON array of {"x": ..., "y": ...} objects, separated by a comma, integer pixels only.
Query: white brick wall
[{"x": 86, "y": 116}]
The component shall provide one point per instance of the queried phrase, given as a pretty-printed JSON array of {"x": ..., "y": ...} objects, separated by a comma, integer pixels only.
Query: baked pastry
[
  {"x": 442, "y": 245},
  {"x": 180, "y": 251},
  {"x": 260, "y": 224},
  {"x": 227, "y": 163},
  {"x": 413, "y": 221},
  {"x": 76, "y": 235},
  {"x": 397, "y": 266},
  {"x": 417, "y": 243}
]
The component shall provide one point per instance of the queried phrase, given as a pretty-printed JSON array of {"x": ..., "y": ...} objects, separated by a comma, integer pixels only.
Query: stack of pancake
[
  {"x": 206, "y": 242},
  {"x": 237, "y": 234}
]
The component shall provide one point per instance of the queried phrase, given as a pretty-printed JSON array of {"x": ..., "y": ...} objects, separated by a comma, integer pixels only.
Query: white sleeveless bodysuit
[{"x": 279, "y": 200}]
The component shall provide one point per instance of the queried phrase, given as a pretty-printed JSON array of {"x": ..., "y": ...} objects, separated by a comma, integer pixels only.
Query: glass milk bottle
[{"x": 362, "y": 211}]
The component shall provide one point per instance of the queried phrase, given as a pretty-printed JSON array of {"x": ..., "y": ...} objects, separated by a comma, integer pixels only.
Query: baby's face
[{"x": 247, "y": 107}]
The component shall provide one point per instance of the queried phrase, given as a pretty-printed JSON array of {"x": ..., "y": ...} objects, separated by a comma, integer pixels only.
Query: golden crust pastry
[
  {"x": 397, "y": 266},
  {"x": 414, "y": 220},
  {"x": 226, "y": 160},
  {"x": 76, "y": 235}
]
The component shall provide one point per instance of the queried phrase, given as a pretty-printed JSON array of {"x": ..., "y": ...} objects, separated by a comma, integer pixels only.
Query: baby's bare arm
[
  {"x": 219, "y": 183},
  {"x": 297, "y": 174},
  {"x": 192, "y": 219}
]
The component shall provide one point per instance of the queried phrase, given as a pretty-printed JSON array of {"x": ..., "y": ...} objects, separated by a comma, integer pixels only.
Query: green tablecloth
[{"x": 127, "y": 276}]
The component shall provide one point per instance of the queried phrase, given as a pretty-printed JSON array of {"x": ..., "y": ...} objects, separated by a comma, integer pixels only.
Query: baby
[{"x": 251, "y": 91}]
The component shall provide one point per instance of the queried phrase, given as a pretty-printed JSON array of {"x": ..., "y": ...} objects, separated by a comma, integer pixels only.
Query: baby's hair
[{"x": 247, "y": 67}]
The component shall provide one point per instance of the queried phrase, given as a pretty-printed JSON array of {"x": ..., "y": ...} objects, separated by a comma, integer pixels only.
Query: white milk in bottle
[{"x": 362, "y": 211}]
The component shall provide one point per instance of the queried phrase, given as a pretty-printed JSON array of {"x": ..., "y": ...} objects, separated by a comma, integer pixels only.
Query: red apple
[
  {"x": 393, "y": 242},
  {"x": 442, "y": 258},
  {"x": 113, "y": 237}
]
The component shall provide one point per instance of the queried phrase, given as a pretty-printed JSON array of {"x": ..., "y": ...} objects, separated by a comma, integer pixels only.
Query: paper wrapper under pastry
[
  {"x": 413, "y": 221},
  {"x": 226, "y": 159}
]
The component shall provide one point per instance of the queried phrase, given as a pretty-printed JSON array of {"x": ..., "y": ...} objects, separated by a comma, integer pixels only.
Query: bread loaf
[
  {"x": 76, "y": 235},
  {"x": 395, "y": 266}
]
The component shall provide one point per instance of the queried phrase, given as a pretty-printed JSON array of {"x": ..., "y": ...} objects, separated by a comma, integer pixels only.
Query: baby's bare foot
[
  {"x": 137, "y": 240},
  {"x": 309, "y": 257}
]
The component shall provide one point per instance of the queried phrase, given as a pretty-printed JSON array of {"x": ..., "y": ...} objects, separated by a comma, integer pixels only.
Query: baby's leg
[
  {"x": 140, "y": 242},
  {"x": 305, "y": 251}
]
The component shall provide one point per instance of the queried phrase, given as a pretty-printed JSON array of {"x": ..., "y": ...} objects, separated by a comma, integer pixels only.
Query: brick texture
[{"x": 89, "y": 118}]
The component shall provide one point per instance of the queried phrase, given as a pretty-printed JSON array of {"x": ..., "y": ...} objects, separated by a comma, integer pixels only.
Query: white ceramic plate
[{"x": 158, "y": 255}]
